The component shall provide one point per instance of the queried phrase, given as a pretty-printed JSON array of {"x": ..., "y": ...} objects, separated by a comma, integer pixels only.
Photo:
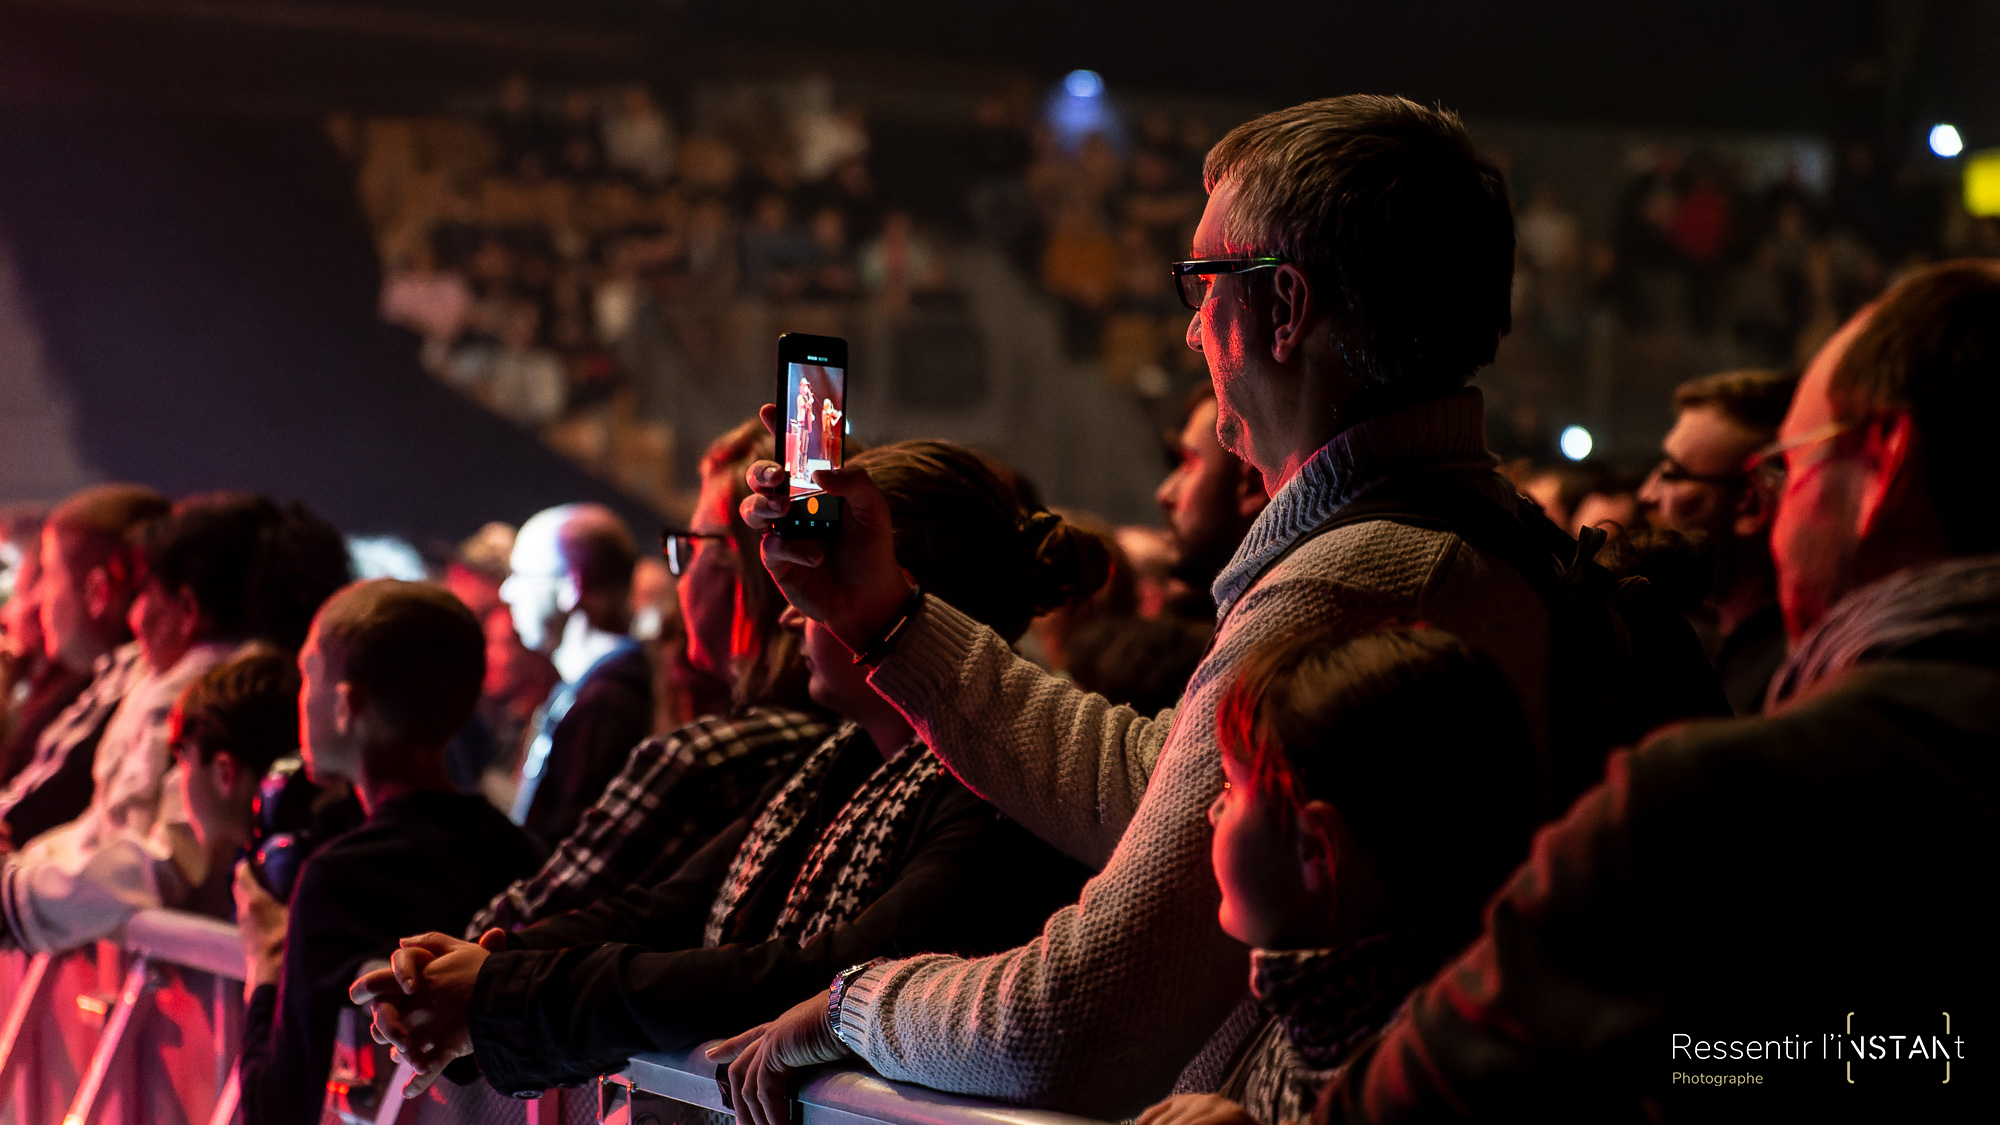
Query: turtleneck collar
[{"x": 1438, "y": 435}]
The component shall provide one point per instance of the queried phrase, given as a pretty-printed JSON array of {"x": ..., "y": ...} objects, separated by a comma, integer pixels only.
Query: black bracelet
[{"x": 873, "y": 652}]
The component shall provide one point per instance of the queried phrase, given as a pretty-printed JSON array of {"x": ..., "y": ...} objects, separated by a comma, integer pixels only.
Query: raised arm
[{"x": 1065, "y": 763}]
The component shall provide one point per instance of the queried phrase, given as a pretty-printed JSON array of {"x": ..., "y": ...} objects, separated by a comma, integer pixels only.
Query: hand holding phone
[{"x": 811, "y": 398}]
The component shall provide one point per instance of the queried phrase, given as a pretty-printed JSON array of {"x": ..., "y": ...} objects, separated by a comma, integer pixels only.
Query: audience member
[
  {"x": 1702, "y": 486},
  {"x": 1603, "y": 949},
  {"x": 226, "y": 730},
  {"x": 869, "y": 847},
  {"x": 1211, "y": 499},
  {"x": 35, "y": 687},
  {"x": 389, "y": 673},
  {"x": 219, "y": 570},
  {"x": 1352, "y": 273},
  {"x": 570, "y": 597},
  {"x": 1379, "y": 788},
  {"x": 90, "y": 571},
  {"x": 677, "y": 791}
]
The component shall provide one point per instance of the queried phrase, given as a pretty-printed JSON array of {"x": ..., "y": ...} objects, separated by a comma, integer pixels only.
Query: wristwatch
[{"x": 837, "y": 991}]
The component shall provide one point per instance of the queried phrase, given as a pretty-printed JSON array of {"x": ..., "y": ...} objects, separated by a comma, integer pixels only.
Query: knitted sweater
[{"x": 1137, "y": 981}]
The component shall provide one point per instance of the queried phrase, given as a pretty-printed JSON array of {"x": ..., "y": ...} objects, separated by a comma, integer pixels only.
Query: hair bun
[{"x": 1065, "y": 562}]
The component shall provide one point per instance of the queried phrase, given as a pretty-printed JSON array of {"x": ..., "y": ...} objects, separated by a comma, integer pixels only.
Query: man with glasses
[
  {"x": 1825, "y": 869},
  {"x": 1351, "y": 272},
  {"x": 1702, "y": 486}
]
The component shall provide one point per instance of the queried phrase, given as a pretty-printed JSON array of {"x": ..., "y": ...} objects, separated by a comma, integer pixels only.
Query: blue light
[
  {"x": 1084, "y": 84},
  {"x": 1946, "y": 142},
  {"x": 1575, "y": 442}
]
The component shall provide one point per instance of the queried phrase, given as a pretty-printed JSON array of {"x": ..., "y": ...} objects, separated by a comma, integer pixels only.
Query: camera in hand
[{"x": 291, "y": 817}]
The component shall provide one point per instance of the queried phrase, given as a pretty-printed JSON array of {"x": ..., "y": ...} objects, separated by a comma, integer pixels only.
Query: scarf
[
  {"x": 1325, "y": 1005},
  {"x": 1948, "y": 611},
  {"x": 849, "y": 866}
]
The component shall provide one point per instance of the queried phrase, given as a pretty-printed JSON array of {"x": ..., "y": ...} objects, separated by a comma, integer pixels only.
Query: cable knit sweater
[{"x": 1137, "y": 983}]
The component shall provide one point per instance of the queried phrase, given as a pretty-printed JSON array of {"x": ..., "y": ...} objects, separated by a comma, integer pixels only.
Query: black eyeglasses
[
  {"x": 1674, "y": 472},
  {"x": 1191, "y": 277},
  {"x": 677, "y": 547},
  {"x": 1767, "y": 466}
]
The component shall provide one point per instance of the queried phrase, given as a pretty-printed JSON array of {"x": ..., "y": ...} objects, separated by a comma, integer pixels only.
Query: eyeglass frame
[
  {"x": 676, "y": 565},
  {"x": 1766, "y": 467},
  {"x": 1673, "y": 472},
  {"x": 1214, "y": 267}
]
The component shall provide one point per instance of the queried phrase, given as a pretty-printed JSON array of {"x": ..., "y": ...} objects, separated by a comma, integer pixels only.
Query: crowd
[
  {"x": 1370, "y": 791},
  {"x": 550, "y": 247}
]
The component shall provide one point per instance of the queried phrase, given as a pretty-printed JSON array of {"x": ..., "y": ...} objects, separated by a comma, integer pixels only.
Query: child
[
  {"x": 227, "y": 729},
  {"x": 1378, "y": 789}
]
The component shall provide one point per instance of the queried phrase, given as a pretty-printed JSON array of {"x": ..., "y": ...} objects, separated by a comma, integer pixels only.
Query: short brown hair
[
  {"x": 247, "y": 707},
  {"x": 417, "y": 654},
  {"x": 1931, "y": 349},
  {"x": 1405, "y": 230},
  {"x": 1754, "y": 399},
  {"x": 100, "y": 526},
  {"x": 1416, "y": 738}
]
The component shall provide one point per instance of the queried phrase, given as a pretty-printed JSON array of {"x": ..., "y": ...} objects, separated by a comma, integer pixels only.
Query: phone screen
[{"x": 815, "y": 406}]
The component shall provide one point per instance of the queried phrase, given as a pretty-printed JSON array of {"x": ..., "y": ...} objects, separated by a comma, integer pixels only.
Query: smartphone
[{"x": 812, "y": 399}]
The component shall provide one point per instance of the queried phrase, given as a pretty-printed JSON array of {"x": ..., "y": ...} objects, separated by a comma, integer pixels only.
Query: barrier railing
[
  {"x": 832, "y": 1097},
  {"x": 154, "y": 938}
]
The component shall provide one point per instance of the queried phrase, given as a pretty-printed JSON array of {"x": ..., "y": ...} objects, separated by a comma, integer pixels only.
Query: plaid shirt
[
  {"x": 114, "y": 674},
  {"x": 676, "y": 792}
]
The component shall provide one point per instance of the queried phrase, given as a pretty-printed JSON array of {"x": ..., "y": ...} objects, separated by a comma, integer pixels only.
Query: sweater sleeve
[
  {"x": 1121, "y": 991},
  {"x": 555, "y": 1016},
  {"x": 289, "y": 1030},
  {"x": 1066, "y": 763}
]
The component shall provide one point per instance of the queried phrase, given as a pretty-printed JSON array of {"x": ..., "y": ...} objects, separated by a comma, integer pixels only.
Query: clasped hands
[{"x": 422, "y": 1002}]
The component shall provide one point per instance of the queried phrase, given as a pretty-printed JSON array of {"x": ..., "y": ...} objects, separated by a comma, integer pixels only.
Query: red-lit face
[
  {"x": 1222, "y": 331},
  {"x": 165, "y": 623},
  {"x": 1816, "y": 536},
  {"x": 1262, "y": 870},
  {"x": 709, "y": 591}
]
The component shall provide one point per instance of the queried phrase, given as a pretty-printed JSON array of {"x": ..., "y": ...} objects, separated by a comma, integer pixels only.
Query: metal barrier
[
  {"x": 152, "y": 938},
  {"x": 166, "y": 937},
  {"x": 832, "y": 1097}
]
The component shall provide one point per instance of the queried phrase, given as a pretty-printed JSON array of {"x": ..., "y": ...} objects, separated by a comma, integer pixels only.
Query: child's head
[
  {"x": 227, "y": 729},
  {"x": 390, "y": 668},
  {"x": 1386, "y": 781}
]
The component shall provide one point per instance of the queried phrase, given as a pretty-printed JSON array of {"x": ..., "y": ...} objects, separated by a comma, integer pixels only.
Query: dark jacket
[
  {"x": 613, "y": 713},
  {"x": 1734, "y": 881},
  {"x": 420, "y": 862},
  {"x": 577, "y": 995}
]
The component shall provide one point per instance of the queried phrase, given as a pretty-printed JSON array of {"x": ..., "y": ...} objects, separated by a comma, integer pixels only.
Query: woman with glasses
[{"x": 678, "y": 790}]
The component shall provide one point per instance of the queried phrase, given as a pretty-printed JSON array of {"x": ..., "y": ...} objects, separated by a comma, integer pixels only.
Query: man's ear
[
  {"x": 1250, "y": 495},
  {"x": 569, "y": 594},
  {"x": 346, "y": 708},
  {"x": 97, "y": 593},
  {"x": 1754, "y": 511},
  {"x": 1291, "y": 311},
  {"x": 1889, "y": 450}
]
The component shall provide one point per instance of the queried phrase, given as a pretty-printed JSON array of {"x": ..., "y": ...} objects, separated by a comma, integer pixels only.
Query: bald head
[
  {"x": 574, "y": 558},
  {"x": 1888, "y": 465}
]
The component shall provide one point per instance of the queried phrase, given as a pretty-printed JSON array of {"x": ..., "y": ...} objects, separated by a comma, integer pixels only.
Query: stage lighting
[
  {"x": 1945, "y": 141},
  {"x": 1575, "y": 442},
  {"x": 1084, "y": 84}
]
